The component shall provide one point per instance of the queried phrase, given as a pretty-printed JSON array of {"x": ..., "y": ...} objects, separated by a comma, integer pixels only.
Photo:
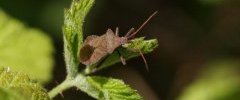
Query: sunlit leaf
[
  {"x": 8, "y": 94},
  {"x": 25, "y": 49},
  {"x": 18, "y": 86},
  {"x": 103, "y": 88}
]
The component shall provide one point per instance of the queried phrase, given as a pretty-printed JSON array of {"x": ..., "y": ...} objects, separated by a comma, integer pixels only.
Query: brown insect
[{"x": 97, "y": 47}]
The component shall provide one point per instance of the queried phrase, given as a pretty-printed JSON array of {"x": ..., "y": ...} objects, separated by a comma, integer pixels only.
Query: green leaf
[
  {"x": 103, "y": 88},
  {"x": 25, "y": 49},
  {"x": 18, "y": 86},
  {"x": 8, "y": 94},
  {"x": 73, "y": 33},
  {"x": 146, "y": 46},
  {"x": 128, "y": 51},
  {"x": 220, "y": 80}
]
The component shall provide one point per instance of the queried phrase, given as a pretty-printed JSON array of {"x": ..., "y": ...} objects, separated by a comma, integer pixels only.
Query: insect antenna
[
  {"x": 133, "y": 34},
  {"x": 129, "y": 35}
]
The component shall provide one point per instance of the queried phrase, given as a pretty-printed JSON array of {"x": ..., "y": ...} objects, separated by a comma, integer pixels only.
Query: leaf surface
[
  {"x": 25, "y": 49},
  {"x": 18, "y": 86},
  {"x": 103, "y": 88}
]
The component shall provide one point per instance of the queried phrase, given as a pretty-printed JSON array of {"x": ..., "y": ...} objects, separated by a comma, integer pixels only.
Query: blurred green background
[{"x": 198, "y": 57}]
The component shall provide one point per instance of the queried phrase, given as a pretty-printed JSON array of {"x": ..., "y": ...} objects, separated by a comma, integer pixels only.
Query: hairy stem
[
  {"x": 61, "y": 87},
  {"x": 71, "y": 63}
]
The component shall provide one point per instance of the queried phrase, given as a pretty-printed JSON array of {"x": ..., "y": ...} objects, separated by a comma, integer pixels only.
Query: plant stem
[{"x": 66, "y": 84}]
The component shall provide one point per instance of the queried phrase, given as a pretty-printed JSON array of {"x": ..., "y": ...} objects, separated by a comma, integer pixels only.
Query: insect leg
[
  {"x": 144, "y": 59},
  {"x": 123, "y": 60}
]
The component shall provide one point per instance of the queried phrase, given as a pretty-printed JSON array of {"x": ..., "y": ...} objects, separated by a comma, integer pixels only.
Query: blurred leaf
[
  {"x": 18, "y": 86},
  {"x": 103, "y": 88},
  {"x": 7, "y": 94},
  {"x": 25, "y": 49},
  {"x": 73, "y": 33},
  {"x": 219, "y": 81}
]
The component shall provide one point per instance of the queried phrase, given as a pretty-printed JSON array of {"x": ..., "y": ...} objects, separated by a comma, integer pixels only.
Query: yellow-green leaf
[
  {"x": 18, "y": 86},
  {"x": 113, "y": 89},
  {"x": 8, "y": 94},
  {"x": 103, "y": 88},
  {"x": 25, "y": 49}
]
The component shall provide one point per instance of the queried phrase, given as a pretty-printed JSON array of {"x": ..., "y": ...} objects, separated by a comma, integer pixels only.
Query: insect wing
[
  {"x": 112, "y": 41},
  {"x": 90, "y": 38}
]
